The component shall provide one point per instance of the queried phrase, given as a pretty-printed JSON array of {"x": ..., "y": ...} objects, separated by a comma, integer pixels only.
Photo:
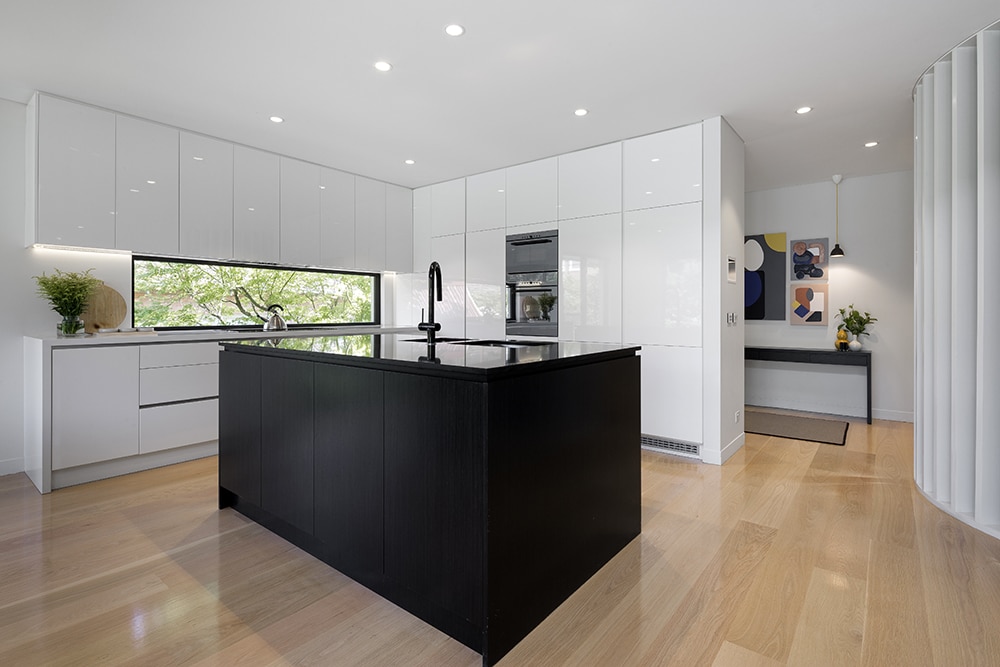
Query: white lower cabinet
[
  {"x": 95, "y": 405},
  {"x": 672, "y": 393},
  {"x": 168, "y": 426},
  {"x": 178, "y": 395},
  {"x": 590, "y": 279}
]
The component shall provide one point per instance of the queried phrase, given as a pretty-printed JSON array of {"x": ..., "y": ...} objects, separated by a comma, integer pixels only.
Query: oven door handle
[
  {"x": 511, "y": 302},
  {"x": 530, "y": 242}
]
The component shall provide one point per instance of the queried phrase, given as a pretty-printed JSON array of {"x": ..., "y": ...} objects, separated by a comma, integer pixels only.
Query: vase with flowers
[
  {"x": 856, "y": 323},
  {"x": 68, "y": 292}
]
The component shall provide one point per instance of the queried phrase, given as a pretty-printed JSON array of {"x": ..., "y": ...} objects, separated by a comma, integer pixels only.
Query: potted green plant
[
  {"x": 857, "y": 324},
  {"x": 68, "y": 292}
]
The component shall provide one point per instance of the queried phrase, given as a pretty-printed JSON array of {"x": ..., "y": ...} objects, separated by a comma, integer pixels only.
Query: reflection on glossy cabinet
[
  {"x": 146, "y": 187},
  {"x": 590, "y": 182},
  {"x": 398, "y": 229},
  {"x": 206, "y": 197},
  {"x": 672, "y": 392},
  {"x": 448, "y": 208},
  {"x": 421, "y": 227},
  {"x": 336, "y": 232},
  {"x": 532, "y": 192},
  {"x": 300, "y": 213},
  {"x": 255, "y": 205},
  {"x": 663, "y": 168},
  {"x": 449, "y": 252},
  {"x": 74, "y": 160},
  {"x": 590, "y": 279},
  {"x": 661, "y": 291},
  {"x": 369, "y": 224},
  {"x": 485, "y": 296},
  {"x": 486, "y": 201}
]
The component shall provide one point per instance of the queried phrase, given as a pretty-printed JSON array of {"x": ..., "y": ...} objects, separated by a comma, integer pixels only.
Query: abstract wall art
[
  {"x": 809, "y": 259},
  {"x": 764, "y": 276},
  {"x": 810, "y": 304}
]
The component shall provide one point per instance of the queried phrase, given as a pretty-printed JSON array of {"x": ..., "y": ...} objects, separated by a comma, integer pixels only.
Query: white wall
[{"x": 876, "y": 232}]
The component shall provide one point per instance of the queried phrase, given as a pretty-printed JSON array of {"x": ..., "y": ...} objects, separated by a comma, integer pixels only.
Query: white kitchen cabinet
[
  {"x": 421, "y": 228},
  {"x": 178, "y": 395},
  {"x": 672, "y": 380},
  {"x": 532, "y": 192},
  {"x": 448, "y": 208},
  {"x": 206, "y": 197},
  {"x": 663, "y": 168},
  {"x": 398, "y": 229},
  {"x": 590, "y": 279},
  {"x": 256, "y": 236},
  {"x": 178, "y": 354},
  {"x": 590, "y": 182},
  {"x": 146, "y": 187},
  {"x": 369, "y": 224},
  {"x": 72, "y": 169},
  {"x": 336, "y": 231},
  {"x": 95, "y": 405},
  {"x": 300, "y": 213},
  {"x": 662, "y": 281},
  {"x": 170, "y": 384},
  {"x": 169, "y": 426},
  {"x": 486, "y": 201},
  {"x": 449, "y": 252},
  {"x": 485, "y": 296}
]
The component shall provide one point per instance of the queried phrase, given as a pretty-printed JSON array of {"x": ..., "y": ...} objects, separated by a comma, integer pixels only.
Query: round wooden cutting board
[{"x": 106, "y": 310}]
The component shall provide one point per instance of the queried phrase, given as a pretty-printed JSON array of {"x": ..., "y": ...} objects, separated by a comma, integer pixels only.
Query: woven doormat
[{"x": 827, "y": 431}]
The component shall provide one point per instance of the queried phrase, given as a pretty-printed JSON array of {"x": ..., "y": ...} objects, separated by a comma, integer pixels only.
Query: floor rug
[{"x": 827, "y": 431}]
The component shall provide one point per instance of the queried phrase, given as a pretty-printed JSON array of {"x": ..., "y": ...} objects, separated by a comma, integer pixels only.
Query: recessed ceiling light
[
  {"x": 803, "y": 110},
  {"x": 409, "y": 162},
  {"x": 383, "y": 66},
  {"x": 454, "y": 30},
  {"x": 871, "y": 144},
  {"x": 277, "y": 119},
  {"x": 655, "y": 159},
  {"x": 581, "y": 112}
]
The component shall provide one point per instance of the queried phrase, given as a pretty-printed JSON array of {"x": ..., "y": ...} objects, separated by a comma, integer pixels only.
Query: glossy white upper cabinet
[
  {"x": 421, "y": 228},
  {"x": 663, "y": 168},
  {"x": 255, "y": 205},
  {"x": 486, "y": 201},
  {"x": 398, "y": 229},
  {"x": 485, "y": 296},
  {"x": 662, "y": 265},
  {"x": 369, "y": 224},
  {"x": 300, "y": 213},
  {"x": 147, "y": 174},
  {"x": 448, "y": 208},
  {"x": 590, "y": 182},
  {"x": 74, "y": 173},
  {"x": 532, "y": 192},
  {"x": 590, "y": 279},
  {"x": 672, "y": 384},
  {"x": 449, "y": 252},
  {"x": 206, "y": 201},
  {"x": 336, "y": 232}
]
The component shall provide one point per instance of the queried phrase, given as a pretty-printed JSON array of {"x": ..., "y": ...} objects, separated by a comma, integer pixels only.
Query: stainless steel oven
[{"x": 533, "y": 284}]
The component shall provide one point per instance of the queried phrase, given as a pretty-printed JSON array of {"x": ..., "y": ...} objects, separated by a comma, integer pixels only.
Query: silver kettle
[{"x": 276, "y": 322}]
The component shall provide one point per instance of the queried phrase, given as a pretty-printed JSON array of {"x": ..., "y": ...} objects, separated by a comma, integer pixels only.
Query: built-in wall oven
[{"x": 533, "y": 284}]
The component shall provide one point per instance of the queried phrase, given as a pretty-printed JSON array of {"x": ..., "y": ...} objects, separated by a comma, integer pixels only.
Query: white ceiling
[{"x": 505, "y": 92}]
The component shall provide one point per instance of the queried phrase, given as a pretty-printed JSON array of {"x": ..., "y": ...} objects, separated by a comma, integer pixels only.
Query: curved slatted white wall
[{"x": 957, "y": 237}]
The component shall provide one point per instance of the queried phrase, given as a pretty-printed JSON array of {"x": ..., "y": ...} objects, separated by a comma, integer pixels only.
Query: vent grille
[{"x": 688, "y": 449}]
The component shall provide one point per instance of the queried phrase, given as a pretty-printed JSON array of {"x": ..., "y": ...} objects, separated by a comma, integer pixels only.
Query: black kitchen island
[{"x": 476, "y": 486}]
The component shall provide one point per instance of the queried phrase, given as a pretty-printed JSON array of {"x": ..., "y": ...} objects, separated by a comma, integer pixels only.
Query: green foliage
[
  {"x": 854, "y": 321},
  {"x": 187, "y": 295},
  {"x": 68, "y": 292}
]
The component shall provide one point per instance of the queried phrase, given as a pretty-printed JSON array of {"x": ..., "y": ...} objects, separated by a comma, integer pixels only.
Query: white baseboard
[
  {"x": 11, "y": 466},
  {"x": 719, "y": 457}
]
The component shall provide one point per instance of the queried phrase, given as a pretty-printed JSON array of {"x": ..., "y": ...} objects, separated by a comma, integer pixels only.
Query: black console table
[{"x": 809, "y": 356}]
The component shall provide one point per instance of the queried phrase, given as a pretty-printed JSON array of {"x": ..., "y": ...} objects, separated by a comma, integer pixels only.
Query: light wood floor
[{"x": 792, "y": 553}]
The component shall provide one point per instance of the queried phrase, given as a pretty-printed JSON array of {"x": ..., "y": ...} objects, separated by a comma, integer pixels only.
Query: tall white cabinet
[
  {"x": 300, "y": 213},
  {"x": 256, "y": 211},
  {"x": 590, "y": 279},
  {"x": 206, "y": 197},
  {"x": 146, "y": 187}
]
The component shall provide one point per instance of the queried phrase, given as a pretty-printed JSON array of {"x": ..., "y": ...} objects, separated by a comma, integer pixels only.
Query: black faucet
[{"x": 433, "y": 281}]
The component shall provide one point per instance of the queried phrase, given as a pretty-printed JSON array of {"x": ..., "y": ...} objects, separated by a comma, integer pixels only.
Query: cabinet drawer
[
  {"x": 167, "y": 426},
  {"x": 178, "y": 354},
  {"x": 178, "y": 383}
]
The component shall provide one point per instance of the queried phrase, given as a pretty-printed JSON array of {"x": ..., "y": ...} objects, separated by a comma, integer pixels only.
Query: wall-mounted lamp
[{"x": 837, "y": 250}]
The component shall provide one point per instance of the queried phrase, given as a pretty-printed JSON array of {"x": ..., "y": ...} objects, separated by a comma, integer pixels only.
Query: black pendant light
[{"x": 837, "y": 250}]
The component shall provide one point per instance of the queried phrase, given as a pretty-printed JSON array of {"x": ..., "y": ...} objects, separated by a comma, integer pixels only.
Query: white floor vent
[{"x": 688, "y": 449}]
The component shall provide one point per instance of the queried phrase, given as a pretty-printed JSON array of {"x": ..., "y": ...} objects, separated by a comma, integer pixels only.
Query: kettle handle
[{"x": 275, "y": 305}]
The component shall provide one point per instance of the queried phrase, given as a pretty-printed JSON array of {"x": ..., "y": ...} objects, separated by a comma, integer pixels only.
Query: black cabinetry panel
[{"x": 239, "y": 426}]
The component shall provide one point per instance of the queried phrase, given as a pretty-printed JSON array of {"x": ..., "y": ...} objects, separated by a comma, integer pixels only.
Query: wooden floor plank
[{"x": 832, "y": 622}]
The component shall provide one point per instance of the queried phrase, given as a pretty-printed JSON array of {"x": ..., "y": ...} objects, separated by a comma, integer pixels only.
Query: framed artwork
[
  {"x": 764, "y": 276},
  {"x": 809, "y": 259},
  {"x": 810, "y": 304}
]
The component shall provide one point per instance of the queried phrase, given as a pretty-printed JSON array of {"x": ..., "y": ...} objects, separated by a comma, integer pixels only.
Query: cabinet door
[
  {"x": 485, "y": 295},
  {"x": 95, "y": 405},
  {"x": 663, "y": 168},
  {"x": 348, "y": 459},
  {"x": 672, "y": 382},
  {"x": 449, "y": 252},
  {"x": 661, "y": 295},
  {"x": 486, "y": 201},
  {"x": 369, "y": 224},
  {"x": 590, "y": 279},
  {"x": 147, "y": 187},
  {"x": 336, "y": 232},
  {"x": 421, "y": 228},
  {"x": 255, "y": 205},
  {"x": 590, "y": 182},
  {"x": 239, "y": 425},
  {"x": 76, "y": 175},
  {"x": 398, "y": 229},
  {"x": 532, "y": 192},
  {"x": 448, "y": 208},
  {"x": 178, "y": 425},
  {"x": 300, "y": 212},
  {"x": 206, "y": 209}
]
